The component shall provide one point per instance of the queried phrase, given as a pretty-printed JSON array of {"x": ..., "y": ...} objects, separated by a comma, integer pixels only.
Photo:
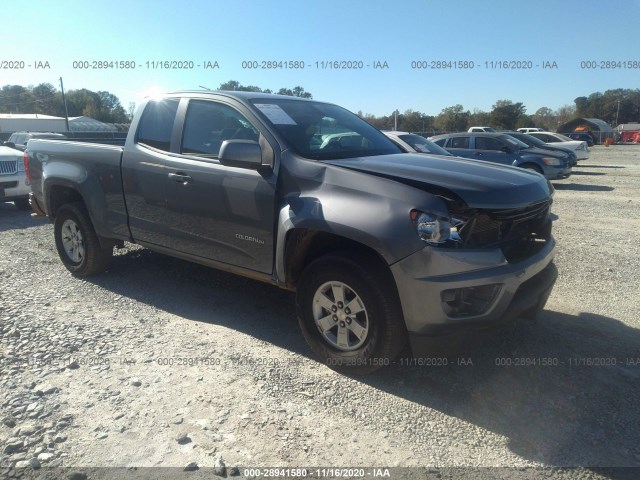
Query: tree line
[
  {"x": 291, "y": 92},
  {"x": 613, "y": 106},
  {"x": 45, "y": 99}
]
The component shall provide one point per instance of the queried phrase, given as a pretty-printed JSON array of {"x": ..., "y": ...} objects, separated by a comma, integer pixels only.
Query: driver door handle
[{"x": 180, "y": 178}]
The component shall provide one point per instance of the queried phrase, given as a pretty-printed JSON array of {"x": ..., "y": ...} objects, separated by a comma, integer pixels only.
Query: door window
[
  {"x": 487, "y": 143},
  {"x": 459, "y": 142}
]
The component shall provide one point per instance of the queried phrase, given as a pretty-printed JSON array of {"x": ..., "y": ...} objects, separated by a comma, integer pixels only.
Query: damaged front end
[{"x": 518, "y": 232}]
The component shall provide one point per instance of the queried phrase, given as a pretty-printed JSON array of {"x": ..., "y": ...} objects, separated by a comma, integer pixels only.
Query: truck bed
[{"x": 95, "y": 170}]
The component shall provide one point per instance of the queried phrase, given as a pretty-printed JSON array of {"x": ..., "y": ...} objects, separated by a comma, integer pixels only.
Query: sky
[{"x": 63, "y": 38}]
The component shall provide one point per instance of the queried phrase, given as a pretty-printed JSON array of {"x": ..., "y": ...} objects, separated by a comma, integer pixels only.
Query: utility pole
[
  {"x": 617, "y": 113},
  {"x": 64, "y": 100},
  {"x": 395, "y": 120}
]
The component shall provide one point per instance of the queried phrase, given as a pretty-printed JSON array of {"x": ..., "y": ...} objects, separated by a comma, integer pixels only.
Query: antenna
[{"x": 205, "y": 88}]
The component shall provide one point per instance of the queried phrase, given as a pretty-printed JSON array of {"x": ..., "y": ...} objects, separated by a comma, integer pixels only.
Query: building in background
[
  {"x": 80, "y": 128},
  {"x": 30, "y": 122},
  {"x": 629, "y": 132},
  {"x": 599, "y": 129}
]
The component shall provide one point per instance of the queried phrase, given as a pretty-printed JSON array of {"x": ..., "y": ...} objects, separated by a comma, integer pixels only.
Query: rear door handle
[{"x": 180, "y": 178}]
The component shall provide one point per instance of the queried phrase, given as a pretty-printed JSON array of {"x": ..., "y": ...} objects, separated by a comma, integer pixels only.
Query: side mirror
[
  {"x": 241, "y": 153},
  {"x": 10, "y": 144}
]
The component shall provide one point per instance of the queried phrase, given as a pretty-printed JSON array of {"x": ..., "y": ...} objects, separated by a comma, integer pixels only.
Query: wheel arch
[
  {"x": 59, "y": 195},
  {"x": 366, "y": 276},
  {"x": 304, "y": 245},
  {"x": 532, "y": 166}
]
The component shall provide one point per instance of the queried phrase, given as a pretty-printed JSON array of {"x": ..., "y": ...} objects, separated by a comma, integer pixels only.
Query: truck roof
[{"x": 241, "y": 95}]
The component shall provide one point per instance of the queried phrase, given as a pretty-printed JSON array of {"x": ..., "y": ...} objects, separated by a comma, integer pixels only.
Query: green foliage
[
  {"x": 564, "y": 114},
  {"x": 236, "y": 86},
  {"x": 17, "y": 99},
  {"x": 480, "y": 118},
  {"x": 453, "y": 118},
  {"x": 623, "y": 104},
  {"x": 296, "y": 92},
  {"x": 619, "y": 104},
  {"x": 45, "y": 99},
  {"x": 506, "y": 114},
  {"x": 543, "y": 118}
]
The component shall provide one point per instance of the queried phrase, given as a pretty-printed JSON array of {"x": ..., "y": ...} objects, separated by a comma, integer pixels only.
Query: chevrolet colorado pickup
[{"x": 381, "y": 247}]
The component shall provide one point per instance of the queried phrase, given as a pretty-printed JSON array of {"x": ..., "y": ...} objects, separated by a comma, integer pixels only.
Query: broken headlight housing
[{"x": 435, "y": 229}]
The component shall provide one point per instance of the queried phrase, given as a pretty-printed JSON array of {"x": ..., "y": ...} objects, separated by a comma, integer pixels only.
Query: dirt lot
[{"x": 159, "y": 362}]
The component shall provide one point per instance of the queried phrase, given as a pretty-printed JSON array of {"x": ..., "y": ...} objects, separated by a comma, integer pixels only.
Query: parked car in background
[
  {"x": 537, "y": 143},
  {"x": 501, "y": 148},
  {"x": 13, "y": 187},
  {"x": 412, "y": 143},
  {"x": 19, "y": 140},
  {"x": 582, "y": 136},
  {"x": 580, "y": 148},
  {"x": 530, "y": 129},
  {"x": 481, "y": 129}
]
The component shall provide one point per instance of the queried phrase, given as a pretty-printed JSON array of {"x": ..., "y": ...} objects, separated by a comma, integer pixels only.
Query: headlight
[
  {"x": 551, "y": 161},
  {"x": 20, "y": 163},
  {"x": 435, "y": 229}
]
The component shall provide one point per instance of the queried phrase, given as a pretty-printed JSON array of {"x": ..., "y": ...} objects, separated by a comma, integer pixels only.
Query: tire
[
  {"x": 350, "y": 341},
  {"x": 77, "y": 242},
  {"x": 22, "y": 204}
]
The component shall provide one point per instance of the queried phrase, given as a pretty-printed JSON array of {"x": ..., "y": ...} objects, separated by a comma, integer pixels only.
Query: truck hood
[
  {"x": 479, "y": 184},
  {"x": 8, "y": 153}
]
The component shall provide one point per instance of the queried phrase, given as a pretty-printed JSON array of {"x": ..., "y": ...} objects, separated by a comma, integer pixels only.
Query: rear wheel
[
  {"x": 349, "y": 312},
  {"x": 77, "y": 242}
]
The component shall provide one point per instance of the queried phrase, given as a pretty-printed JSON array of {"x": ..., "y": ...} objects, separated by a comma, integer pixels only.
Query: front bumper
[
  {"x": 13, "y": 187},
  {"x": 425, "y": 278},
  {"x": 557, "y": 173},
  {"x": 582, "y": 154}
]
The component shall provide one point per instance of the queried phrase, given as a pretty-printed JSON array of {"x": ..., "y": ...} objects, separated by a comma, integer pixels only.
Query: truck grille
[
  {"x": 8, "y": 167},
  {"x": 519, "y": 232}
]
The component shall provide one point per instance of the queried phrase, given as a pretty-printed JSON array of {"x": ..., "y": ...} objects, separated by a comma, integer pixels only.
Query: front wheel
[
  {"x": 77, "y": 242},
  {"x": 349, "y": 312}
]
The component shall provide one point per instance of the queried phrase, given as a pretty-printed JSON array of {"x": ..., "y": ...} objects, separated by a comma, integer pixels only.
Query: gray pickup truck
[{"x": 381, "y": 247}]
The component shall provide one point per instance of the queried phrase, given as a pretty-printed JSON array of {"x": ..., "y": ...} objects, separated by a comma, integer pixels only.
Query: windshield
[
  {"x": 422, "y": 145},
  {"x": 528, "y": 139},
  {"x": 564, "y": 138},
  {"x": 322, "y": 131}
]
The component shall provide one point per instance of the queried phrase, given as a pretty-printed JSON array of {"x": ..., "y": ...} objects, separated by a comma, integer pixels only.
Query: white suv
[
  {"x": 530, "y": 129},
  {"x": 18, "y": 140},
  {"x": 480, "y": 129},
  {"x": 13, "y": 185}
]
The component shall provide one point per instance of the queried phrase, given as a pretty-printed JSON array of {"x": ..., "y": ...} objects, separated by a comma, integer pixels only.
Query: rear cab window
[{"x": 156, "y": 124}]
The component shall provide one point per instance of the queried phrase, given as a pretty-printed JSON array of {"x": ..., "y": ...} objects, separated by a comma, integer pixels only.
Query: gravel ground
[{"x": 162, "y": 363}]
